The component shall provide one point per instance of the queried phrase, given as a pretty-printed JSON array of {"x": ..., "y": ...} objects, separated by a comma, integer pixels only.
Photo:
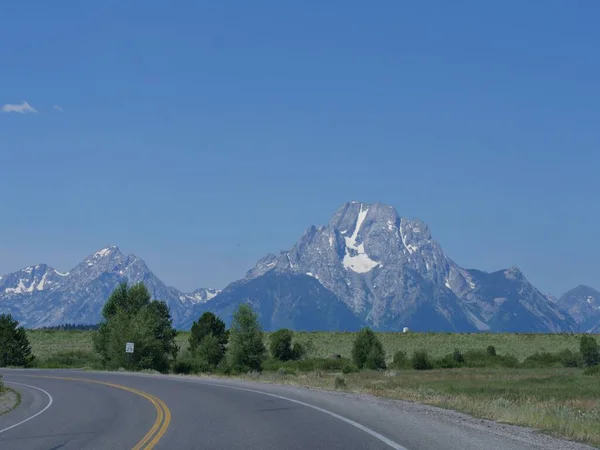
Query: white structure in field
[{"x": 405, "y": 330}]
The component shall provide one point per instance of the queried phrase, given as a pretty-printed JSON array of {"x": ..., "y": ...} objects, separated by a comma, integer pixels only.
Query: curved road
[{"x": 63, "y": 409}]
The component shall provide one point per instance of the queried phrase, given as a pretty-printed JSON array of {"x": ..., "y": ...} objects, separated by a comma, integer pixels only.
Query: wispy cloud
[
  {"x": 58, "y": 108},
  {"x": 22, "y": 108}
]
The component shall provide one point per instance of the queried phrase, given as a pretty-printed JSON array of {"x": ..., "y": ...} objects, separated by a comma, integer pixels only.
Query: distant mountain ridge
[
  {"x": 583, "y": 304},
  {"x": 366, "y": 266},
  {"x": 41, "y": 296}
]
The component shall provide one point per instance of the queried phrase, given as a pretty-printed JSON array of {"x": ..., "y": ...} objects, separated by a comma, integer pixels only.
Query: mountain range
[
  {"x": 367, "y": 266},
  {"x": 41, "y": 296}
]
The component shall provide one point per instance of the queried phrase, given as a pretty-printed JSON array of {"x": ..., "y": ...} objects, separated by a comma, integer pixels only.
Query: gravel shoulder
[{"x": 9, "y": 400}]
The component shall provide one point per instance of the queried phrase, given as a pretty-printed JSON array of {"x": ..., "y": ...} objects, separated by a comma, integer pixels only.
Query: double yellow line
[{"x": 163, "y": 414}]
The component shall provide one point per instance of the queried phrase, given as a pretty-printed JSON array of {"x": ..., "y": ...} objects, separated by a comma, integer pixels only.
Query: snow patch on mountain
[{"x": 355, "y": 257}]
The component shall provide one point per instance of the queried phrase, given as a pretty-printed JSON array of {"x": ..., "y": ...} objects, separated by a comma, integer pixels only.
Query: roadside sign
[{"x": 129, "y": 347}]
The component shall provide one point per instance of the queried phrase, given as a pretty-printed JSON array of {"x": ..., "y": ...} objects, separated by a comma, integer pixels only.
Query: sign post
[{"x": 129, "y": 350}]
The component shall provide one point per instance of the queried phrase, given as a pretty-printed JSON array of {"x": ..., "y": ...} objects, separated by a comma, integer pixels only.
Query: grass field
[{"x": 46, "y": 343}]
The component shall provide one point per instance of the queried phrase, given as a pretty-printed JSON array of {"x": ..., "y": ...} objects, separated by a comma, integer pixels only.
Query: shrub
[
  {"x": 71, "y": 358},
  {"x": 458, "y": 356},
  {"x": 246, "y": 349},
  {"x": 224, "y": 368},
  {"x": 447, "y": 362},
  {"x": 420, "y": 360},
  {"x": 400, "y": 360},
  {"x": 281, "y": 344},
  {"x": 491, "y": 350},
  {"x": 349, "y": 368},
  {"x": 589, "y": 350},
  {"x": 543, "y": 359},
  {"x": 592, "y": 371},
  {"x": 367, "y": 351},
  {"x": 569, "y": 358},
  {"x": 183, "y": 367},
  {"x": 340, "y": 382},
  {"x": 283, "y": 371},
  {"x": 510, "y": 361},
  {"x": 483, "y": 358},
  {"x": 307, "y": 365}
]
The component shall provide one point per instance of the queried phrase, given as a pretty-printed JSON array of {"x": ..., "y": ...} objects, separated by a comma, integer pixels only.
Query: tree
[
  {"x": 588, "y": 347},
  {"x": 280, "y": 343},
  {"x": 15, "y": 349},
  {"x": 246, "y": 349},
  {"x": 367, "y": 351},
  {"x": 210, "y": 352},
  {"x": 130, "y": 315},
  {"x": 208, "y": 325}
]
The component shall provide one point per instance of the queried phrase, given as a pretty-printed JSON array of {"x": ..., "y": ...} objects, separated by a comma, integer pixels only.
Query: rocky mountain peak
[
  {"x": 42, "y": 296},
  {"x": 390, "y": 272},
  {"x": 30, "y": 279},
  {"x": 514, "y": 273}
]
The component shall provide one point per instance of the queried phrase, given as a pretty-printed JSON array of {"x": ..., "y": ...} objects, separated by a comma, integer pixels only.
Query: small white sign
[{"x": 129, "y": 347}]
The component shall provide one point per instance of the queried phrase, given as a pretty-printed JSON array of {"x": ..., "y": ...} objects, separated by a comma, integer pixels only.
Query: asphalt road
[{"x": 97, "y": 410}]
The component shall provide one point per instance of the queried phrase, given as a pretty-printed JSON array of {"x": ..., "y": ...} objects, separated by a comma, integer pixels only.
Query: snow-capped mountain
[
  {"x": 42, "y": 296},
  {"x": 390, "y": 273},
  {"x": 367, "y": 266},
  {"x": 583, "y": 304}
]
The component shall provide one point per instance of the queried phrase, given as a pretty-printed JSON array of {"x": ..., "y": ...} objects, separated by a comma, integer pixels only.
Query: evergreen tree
[{"x": 15, "y": 349}]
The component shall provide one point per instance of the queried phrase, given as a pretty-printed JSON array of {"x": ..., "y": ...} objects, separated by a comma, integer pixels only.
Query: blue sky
[{"x": 202, "y": 135}]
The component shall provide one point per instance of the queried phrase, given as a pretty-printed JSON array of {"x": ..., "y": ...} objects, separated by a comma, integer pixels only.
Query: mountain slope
[
  {"x": 583, "y": 304},
  {"x": 286, "y": 300},
  {"x": 41, "y": 296},
  {"x": 390, "y": 273}
]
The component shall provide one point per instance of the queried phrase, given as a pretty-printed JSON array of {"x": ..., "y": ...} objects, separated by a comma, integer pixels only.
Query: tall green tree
[
  {"x": 246, "y": 350},
  {"x": 15, "y": 349},
  {"x": 367, "y": 350},
  {"x": 130, "y": 315},
  {"x": 208, "y": 325}
]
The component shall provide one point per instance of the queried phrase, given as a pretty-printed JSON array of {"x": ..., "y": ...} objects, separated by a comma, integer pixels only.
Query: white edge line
[
  {"x": 373, "y": 433},
  {"x": 50, "y": 401}
]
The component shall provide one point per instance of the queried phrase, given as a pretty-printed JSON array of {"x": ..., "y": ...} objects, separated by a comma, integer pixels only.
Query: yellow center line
[{"x": 163, "y": 414}]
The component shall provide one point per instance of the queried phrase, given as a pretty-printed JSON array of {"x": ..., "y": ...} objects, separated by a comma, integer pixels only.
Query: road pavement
[{"x": 65, "y": 409}]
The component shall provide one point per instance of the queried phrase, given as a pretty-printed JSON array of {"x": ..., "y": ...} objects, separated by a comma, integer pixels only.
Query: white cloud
[
  {"x": 58, "y": 108},
  {"x": 22, "y": 108}
]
